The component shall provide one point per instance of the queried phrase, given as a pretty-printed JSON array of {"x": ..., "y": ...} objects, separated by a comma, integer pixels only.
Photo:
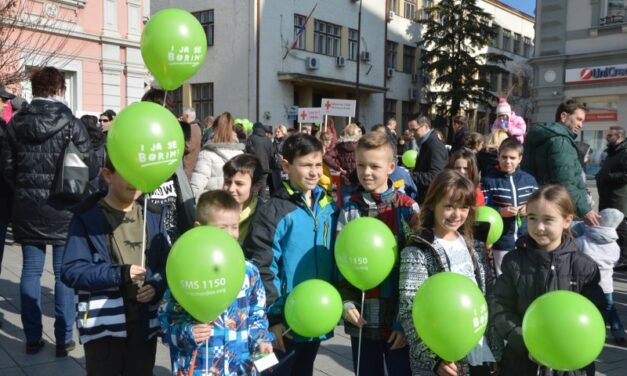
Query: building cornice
[{"x": 559, "y": 58}]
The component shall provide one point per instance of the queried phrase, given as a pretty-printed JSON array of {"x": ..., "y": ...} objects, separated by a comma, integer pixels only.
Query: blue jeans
[
  {"x": 376, "y": 354},
  {"x": 612, "y": 318},
  {"x": 34, "y": 256}
]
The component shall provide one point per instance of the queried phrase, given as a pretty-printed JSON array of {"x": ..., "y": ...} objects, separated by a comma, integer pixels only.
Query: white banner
[
  {"x": 339, "y": 107},
  {"x": 310, "y": 115}
]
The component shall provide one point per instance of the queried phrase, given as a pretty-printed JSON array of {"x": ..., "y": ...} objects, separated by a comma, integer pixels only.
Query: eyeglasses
[{"x": 105, "y": 120}]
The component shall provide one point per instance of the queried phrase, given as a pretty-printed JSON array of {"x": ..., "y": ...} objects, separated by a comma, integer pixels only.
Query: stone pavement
[{"x": 334, "y": 357}]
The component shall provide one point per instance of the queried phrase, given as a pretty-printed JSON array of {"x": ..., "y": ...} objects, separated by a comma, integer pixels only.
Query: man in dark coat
[
  {"x": 260, "y": 145},
  {"x": 460, "y": 130},
  {"x": 612, "y": 184},
  {"x": 432, "y": 156},
  {"x": 551, "y": 156}
]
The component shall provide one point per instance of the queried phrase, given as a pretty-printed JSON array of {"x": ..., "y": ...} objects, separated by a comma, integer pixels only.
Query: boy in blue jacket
[
  {"x": 291, "y": 241},
  {"x": 506, "y": 189},
  {"x": 117, "y": 297}
]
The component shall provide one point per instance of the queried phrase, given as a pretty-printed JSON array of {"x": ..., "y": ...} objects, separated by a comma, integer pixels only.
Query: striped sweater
[{"x": 98, "y": 282}]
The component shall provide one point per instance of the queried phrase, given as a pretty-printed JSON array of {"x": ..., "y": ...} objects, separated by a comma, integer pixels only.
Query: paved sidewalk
[{"x": 333, "y": 359}]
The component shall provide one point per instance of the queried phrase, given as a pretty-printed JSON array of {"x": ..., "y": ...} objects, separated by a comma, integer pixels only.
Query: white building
[
  {"x": 248, "y": 73},
  {"x": 581, "y": 53}
]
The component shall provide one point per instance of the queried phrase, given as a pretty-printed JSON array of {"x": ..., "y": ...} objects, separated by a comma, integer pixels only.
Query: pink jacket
[{"x": 515, "y": 128}]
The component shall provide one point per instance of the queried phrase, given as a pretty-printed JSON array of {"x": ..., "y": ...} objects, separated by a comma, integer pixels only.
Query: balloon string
[
  {"x": 207, "y": 356},
  {"x": 165, "y": 95},
  {"x": 286, "y": 331},
  {"x": 361, "y": 315},
  {"x": 144, "y": 231}
]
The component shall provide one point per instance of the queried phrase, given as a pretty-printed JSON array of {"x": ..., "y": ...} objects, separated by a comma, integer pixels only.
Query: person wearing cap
[
  {"x": 506, "y": 119},
  {"x": 261, "y": 146}
]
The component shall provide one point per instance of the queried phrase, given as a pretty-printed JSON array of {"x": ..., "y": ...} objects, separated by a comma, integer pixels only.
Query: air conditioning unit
[
  {"x": 391, "y": 15},
  {"x": 365, "y": 56},
  {"x": 389, "y": 72},
  {"x": 413, "y": 94},
  {"x": 313, "y": 63},
  {"x": 340, "y": 61},
  {"x": 414, "y": 78}
]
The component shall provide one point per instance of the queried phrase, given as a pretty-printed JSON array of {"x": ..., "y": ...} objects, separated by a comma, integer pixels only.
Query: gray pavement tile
[
  {"x": 13, "y": 372},
  {"x": 14, "y": 345},
  {"x": 5, "y": 361},
  {"x": 65, "y": 367}
]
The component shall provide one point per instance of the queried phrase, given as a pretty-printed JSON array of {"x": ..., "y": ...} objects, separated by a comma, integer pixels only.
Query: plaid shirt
[{"x": 237, "y": 333}]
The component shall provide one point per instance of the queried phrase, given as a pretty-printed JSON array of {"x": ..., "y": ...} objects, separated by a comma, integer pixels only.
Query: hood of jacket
[
  {"x": 530, "y": 248},
  {"x": 348, "y": 144},
  {"x": 601, "y": 235},
  {"x": 617, "y": 149},
  {"x": 41, "y": 119},
  {"x": 545, "y": 131},
  {"x": 211, "y": 146},
  {"x": 259, "y": 129}
]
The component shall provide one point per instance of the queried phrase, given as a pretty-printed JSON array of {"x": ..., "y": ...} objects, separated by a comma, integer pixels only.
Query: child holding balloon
[
  {"x": 103, "y": 263},
  {"x": 443, "y": 243},
  {"x": 383, "y": 341},
  {"x": 237, "y": 333},
  {"x": 546, "y": 259}
]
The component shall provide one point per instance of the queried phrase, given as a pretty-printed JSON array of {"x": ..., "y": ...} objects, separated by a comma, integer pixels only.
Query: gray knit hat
[{"x": 611, "y": 217}]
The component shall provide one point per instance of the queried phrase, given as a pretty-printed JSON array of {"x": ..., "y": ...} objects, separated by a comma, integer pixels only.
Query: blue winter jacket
[
  {"x": 88, "y": 269},
  {"x": 291, "y": 243},
  {"x": 501, "y": 190}
]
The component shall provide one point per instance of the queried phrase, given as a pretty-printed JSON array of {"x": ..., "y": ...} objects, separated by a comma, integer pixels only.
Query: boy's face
[
  {"x": 239, "y": 186},
  {"x": 374, "y": 166},
  {"x": 120, "y": 189},
  {"x": 305, "y": 171},
  {"x": 509, "y": 159},
  {"x": 226, "y": 219}
]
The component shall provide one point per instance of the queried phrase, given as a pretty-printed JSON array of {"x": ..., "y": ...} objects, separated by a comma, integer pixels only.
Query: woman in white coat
[{"x": 215, "y": 153}]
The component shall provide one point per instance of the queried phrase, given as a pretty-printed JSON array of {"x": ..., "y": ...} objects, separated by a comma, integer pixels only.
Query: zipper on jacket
[
  {"x": 515, "y": 202},
  {"x": 552, "y": 274}
]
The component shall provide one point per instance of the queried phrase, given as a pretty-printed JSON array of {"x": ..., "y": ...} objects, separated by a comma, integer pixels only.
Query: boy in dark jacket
[
  {"x": 506, "y": 189},
  {"x": 291, "y": 241},
  {"x": 104, "y": 263}
]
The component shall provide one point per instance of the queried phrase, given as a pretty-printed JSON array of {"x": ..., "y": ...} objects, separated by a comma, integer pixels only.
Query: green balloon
[
  {"x": 563, "y": 330},
  {"x": 450, "y": 314},
  {"x": 238, "y": 121},
  {"x": 145, "y": 144},
  {"x": 409, "y": 158},
  {"x": 248, "y": 125},
  {"x": 487, "y": 214},
  {"x": 173, "y": 46},
  {"x": 365, "y": 252},
  {"x": 313, "y": 308},
  {"x": 205, "y": 271}
]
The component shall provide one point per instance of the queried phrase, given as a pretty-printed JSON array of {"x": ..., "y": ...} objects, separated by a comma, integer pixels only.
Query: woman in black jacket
[{"x": 35, "y": 139}]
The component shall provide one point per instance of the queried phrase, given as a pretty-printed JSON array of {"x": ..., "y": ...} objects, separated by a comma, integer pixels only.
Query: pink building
[{"x": 95, "y": 43}]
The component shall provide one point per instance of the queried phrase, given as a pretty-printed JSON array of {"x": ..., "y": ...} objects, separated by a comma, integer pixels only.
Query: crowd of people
[{"x": 284, "y": 194}]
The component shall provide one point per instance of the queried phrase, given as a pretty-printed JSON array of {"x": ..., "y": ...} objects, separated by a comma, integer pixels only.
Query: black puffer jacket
[
  {"x": 261, "y": 146},
  {"x": 612, "y": 179},
  {"x": 34, "y": 141},
  {"x": 528, "y": 273}
]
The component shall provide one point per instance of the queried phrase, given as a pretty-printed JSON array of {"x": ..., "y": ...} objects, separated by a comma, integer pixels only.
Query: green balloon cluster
[
  {"x": 205, "y": 271},
  {"x": 563, "y": 330},
  {"x": 173, "y": 46},
  {"x": 365, "y": 252},
  {"x": 409, "y": 158},
  {"x": 313, "y": 308},
  {"x": 450, "y": 314},
  {"x": 145, "y": 144},
  {"x": 487, "y": 214}
]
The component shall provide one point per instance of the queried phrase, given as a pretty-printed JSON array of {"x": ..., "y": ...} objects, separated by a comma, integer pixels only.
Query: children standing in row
[
  {"x": 546, "y": 259},
  {"x": 117, "y": 297},
  {"x": 507, "y": 189},
  {"x": 237, "y": 333},
  {"x": 383, "y": 342},
  {"x": 291, "y": 241}
]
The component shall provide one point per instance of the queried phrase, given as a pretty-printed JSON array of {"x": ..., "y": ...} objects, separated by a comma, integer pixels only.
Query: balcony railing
[{"x": 611, "y": 20}]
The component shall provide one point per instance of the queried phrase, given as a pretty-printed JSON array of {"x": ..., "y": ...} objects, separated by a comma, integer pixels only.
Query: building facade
[
  {"x": 96, "y": 44},
  {"x": 581, "y": 53},
  {"x": 252, "y": 71}
]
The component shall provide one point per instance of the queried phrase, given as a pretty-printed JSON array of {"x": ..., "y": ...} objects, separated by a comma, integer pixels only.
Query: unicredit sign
[{"x": 596, "y": 74}]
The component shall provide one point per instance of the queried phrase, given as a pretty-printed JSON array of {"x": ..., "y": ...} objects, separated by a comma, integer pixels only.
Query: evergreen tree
[{"x": 453, "y": 34}]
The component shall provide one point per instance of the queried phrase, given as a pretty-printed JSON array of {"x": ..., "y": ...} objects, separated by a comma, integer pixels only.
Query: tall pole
[{"x": 358, "y": 63}]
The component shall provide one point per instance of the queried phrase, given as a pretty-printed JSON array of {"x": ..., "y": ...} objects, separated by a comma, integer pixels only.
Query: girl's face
[
  {"x": 461, "y": 165},
  {"x": 546, "y": 224},
  {"x": 449, "y": 217}
]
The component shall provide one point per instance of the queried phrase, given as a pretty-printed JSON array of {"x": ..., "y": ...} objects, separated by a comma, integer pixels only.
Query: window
[
  {"x": 393, "y": 6},
  {"x": 426, "y": 4},
  {"x": 327, "y": 38},
  {"x": 507, "y": 38},
  {"x": 494, "y": 82},
  {"x": 299, "y": 31},
  {"x": 390, "y": 109},
  {"x": 391, "y": 54},
  {"x": 505, "y": 82},
  {"x": 613, "y": 12},
  {"x": 495, "y": 39},
  {"x": 527, "y": 47},
  {"x": 407, "y": 112},
  {"x": 202, "y": 99},
  {"x": 353, "y": 37},
  {"x": 177, "y": 100},
  {"x": 517, "y": 38},
  {"x": 410, "y": 9},
  {"x": 409, "y": 57},
  {"x": 205, "y": 18},
  {"x": 515, "y": 85}
]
